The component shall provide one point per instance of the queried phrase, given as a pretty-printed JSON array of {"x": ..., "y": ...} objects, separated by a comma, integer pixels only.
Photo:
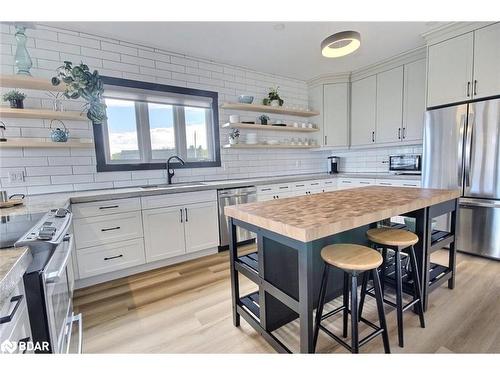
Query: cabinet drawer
[
  {"x": 111, "y": 257},
  {"x": 21, "y": 331},
  {"x": 93, "y": 231},
  {"x": 105, "y": 207},
  {"x": 8, "y": 306},
  {"x": 276, "y": 188},
  {"x": 178, "y": 199}
]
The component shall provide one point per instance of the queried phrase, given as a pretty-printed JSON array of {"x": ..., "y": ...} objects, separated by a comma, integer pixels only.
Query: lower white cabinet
[
  {"x": 163, "y": 233},
  {"x": 178, "y": 230},
  {"x": 105, "y": 258},
  {"x": 201, "y": 226}
]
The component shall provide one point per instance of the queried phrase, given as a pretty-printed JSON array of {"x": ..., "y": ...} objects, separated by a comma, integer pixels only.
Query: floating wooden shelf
[
  {"x": 268, "y": 109},
  {"x": 46, "y": 143},
  {"x": 41, "y": 114},
  {"x": 28, "y": 82},
  {"x": 268, "y": 127},
  {"x": 260, "y": 145}
]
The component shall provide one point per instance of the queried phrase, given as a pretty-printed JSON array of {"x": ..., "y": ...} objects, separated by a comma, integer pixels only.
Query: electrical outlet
[{"x": 16, "y": 177}]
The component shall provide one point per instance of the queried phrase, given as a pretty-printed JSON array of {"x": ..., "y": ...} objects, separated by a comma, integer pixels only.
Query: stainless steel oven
[{"x": 49, "y": 284}]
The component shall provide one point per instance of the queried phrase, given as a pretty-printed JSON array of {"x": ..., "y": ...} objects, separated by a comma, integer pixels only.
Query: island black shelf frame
[{"x": 273, "y": 305}]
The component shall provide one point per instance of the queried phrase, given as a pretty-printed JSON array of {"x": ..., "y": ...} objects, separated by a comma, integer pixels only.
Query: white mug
[{"x": 233, "y": 119}]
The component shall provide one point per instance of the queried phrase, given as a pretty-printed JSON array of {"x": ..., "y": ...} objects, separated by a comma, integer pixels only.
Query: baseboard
[{"x": 83, "y": 283}]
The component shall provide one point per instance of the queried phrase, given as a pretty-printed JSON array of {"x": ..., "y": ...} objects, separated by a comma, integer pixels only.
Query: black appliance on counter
[{"x": 333, "y": 164}]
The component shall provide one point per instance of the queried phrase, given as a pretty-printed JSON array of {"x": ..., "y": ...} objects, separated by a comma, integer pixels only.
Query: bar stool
[
  {"x": 397, "y": 240},
  {"x": 353, "y": 260}
]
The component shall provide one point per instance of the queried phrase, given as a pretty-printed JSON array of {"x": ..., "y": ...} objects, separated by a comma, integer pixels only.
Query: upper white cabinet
[
  {"x": 486, "y": 62},
  {"x": 389, "y": 110},
  {"x": 336, "y": 114},
  {"x": 414, "y": 101},
  {"x": 363, "y": 111},
  {"x": 464, "y": 67},
  {"x": 332, "y": 101},
  {"x": 450, "y": 71}
]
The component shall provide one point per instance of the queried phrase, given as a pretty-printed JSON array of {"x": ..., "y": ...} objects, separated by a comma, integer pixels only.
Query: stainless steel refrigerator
[{"x": 462, "y": 151}]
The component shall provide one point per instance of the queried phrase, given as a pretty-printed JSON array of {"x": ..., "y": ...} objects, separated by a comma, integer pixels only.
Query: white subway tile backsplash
[
  {"x": 94, "y": 186},
  {"x": 48, "y": 171},
  {"x": 73, "y": 160},
  {"x": 100, "y": 54},
  {"x": 106, "y": 46},
  {"x": 83, "y": 169},
  {"x": 78, "y": 40},
  {"x": 57, "y": 46},
  {"x": 73, "y": 179}
]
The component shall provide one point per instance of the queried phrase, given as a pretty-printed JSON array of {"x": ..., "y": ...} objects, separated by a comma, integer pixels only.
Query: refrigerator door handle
[
  {"x": 468, "y": 151},
  {"x": 461, "y": 151},
  {"x": 479, "y": 203}
]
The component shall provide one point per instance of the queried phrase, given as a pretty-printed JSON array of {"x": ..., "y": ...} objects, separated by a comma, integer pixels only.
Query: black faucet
[{"x": 171, "y": 174}]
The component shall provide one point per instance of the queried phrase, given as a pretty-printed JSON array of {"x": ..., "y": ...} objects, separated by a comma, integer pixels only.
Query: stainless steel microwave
[{"x": 405, "y": 164}]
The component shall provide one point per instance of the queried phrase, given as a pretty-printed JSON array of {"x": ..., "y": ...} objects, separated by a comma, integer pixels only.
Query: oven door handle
[
  {"x": 53, "y": 277},
  {"x": 75, "y": 318}
]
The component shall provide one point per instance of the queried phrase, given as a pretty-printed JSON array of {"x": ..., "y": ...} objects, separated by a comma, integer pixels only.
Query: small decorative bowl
[{"x": 246, "y": 99}]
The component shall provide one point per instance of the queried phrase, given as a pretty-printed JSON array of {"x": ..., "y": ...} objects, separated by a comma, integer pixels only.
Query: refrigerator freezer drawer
[{"x": 479, "y": 228}]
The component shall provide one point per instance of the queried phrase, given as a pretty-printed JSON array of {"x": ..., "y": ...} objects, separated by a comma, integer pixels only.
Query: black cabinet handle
[
  {"x": 107, "y": 229},
  {"x": 8, "y": 318},
  {"x": 186, "y": 211},
  {"x": 475, "y": 87},
  {"x": 181, "y": 215},
  {"x": 468, "y": 88},
  {"x": 404, "y": 133},
  {"x": 106, "y": 207},
  {"x": 116, "y": 256},
  {"x": 399, "y": 133},
  {"x": 373, "y": 136}
]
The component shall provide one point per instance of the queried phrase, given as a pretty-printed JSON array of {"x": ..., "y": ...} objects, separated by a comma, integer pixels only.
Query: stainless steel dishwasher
[{"x": 229, "y": 197}]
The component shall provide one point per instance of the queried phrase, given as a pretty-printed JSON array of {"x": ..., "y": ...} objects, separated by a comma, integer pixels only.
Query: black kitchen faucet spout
[{"x": 170, "y": 172}]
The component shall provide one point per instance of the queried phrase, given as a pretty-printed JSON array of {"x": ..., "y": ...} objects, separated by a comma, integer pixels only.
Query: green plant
[
  {"x": 273, "y": 95},
  {"x": 264, "y": 119},
  {"x": 80, "y": 82},
  {"x": 235, "y": 134},
  {"x": 13, "y": 95}
]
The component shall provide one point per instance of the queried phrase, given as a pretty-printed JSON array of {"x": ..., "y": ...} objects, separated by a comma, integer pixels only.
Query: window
[{"x": 147, "y": 123}]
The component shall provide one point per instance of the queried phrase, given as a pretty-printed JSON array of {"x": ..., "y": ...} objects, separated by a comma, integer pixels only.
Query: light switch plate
[{"x": 16, "y": 177}]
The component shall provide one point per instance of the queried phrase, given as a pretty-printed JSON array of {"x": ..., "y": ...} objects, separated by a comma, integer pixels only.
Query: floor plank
[{"x": 186, "y": 308}]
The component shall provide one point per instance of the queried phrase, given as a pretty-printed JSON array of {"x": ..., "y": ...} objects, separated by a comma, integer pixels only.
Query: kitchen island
[{"x": 291, "y": 233}]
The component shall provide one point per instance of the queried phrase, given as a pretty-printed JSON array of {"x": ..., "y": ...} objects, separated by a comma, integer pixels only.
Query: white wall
[{"x": 65, "y": 169}]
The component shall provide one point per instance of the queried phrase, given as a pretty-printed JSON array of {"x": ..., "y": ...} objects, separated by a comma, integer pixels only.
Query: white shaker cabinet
[
  {"x": 414, "y": 101},
  {"x": 449, "y": 75},
  {"x": 200, "y": 226},
  {"x": 363, "y": 111},
  {"x": 336, "y": 114},
  {"x": 486, "y": 62},
  {"x": 163, "y": 232},
  {"x": 389, "y": 112}
]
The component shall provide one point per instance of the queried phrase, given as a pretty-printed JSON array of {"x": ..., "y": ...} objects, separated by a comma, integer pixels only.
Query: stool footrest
[
  {"x": 392, "y": 304},
  {"x": 377, "y": 330}
]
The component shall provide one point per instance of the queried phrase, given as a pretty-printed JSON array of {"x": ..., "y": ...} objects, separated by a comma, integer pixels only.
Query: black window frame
[{"x": 99, "y": 139}]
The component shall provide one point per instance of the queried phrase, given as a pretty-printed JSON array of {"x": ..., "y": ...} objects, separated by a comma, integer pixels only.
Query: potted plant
[
  {"x": 15, "y": 98},
  {"x": 273, "y": 98},
  {"x": 234, "y": 137},
  {"x": 263, "y": 119},
  {"x": 80, "y": 82}
]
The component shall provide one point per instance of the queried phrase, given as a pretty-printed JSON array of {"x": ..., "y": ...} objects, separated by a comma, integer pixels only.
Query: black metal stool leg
[
  {"x": 345, "y": 301},
  {"x": 383, "y": 269},
  {"x": 364, "y": 286},
  {"x": 354, "y": 314},
  {"x": 380, "y": 308},
  {"x": 321, "y": 304},
  {"x": 399, "y": 297},
  {"x": 416, "y": 285}
]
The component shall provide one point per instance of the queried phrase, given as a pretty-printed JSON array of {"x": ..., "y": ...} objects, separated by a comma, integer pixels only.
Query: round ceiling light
[{"x": 341, "y": 44}]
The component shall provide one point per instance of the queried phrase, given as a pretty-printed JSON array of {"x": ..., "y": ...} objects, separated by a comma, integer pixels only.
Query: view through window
[{"x": 145, "y": 129}]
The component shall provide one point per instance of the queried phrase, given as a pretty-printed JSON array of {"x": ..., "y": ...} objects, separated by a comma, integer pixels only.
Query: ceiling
[{"x": 290, "y": 49}]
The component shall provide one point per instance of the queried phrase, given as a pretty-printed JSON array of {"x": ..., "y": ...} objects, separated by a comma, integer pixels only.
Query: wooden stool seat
[
  {"x": 392, "y": 237},
  {"x": 351, "y": 257}
]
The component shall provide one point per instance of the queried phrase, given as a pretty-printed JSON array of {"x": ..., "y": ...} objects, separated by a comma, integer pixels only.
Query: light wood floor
[{"x": 186, "y": 308}]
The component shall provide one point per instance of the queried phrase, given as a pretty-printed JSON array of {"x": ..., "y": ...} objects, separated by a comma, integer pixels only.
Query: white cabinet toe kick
[{"x": 121, "y": 237}]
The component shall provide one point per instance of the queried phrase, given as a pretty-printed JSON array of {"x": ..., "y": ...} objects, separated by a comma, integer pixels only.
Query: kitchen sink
[{"x": 173, "y": 186}]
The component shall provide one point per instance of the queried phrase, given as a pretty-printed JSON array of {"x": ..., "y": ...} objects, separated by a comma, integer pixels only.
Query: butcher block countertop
[{"x": 311, "y": 217}]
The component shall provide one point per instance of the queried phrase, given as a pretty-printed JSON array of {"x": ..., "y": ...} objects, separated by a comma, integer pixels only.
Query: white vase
[
  {"x": 275, "y": 103},
  {"x": 233, "y": 141}
]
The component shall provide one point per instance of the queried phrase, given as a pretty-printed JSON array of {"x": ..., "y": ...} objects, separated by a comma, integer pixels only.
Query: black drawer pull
[
  {"x": 116, "y": 256},
  {"x": 106, "y": 229},
  {"x": 106, "y": 207},
  {"x": 8, "y": 318},
  {"x": 267, "y": 189},
  {"x": 299, "y": 185},
  {"x": 283, "y": 187}
]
